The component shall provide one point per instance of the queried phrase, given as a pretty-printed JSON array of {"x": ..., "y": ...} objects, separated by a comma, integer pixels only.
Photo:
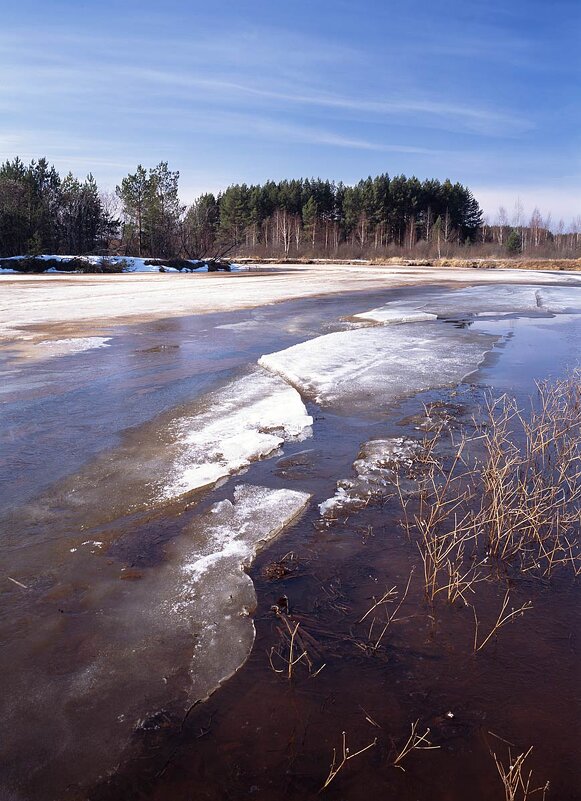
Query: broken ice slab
[
  {"x": 366, "y": 369},
  {"x": 215, "y": 594},
  {"x": 247, "y": 419},
  {"x": 393, "y": 314},
  {"x": 375, "y": 469}
]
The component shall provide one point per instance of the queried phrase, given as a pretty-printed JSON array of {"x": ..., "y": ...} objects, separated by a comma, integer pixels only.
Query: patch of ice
[
  {"x": 244, "y": 421},
  {"x": 213, "y": 597},
  {"x": 62, "y": 347},
  {"x": 375, "y": 469},
  {"x": 503, "y": 300},
  {"x": 479, "y": 301},
  {"x": 393, "y": 314},
  {"x": 234, "y": 532},
  {"x": 243, "y": 326},
  {"x": 367, "y": 368}
]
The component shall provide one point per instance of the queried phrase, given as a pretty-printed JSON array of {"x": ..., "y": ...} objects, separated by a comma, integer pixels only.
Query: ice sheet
[
  {"x": 216, "y": 595},
  {"x": 244, "y": 421},
  {"x": 45, "y": 300},
  {"x": 480, "y": 301},
  {"x": 374, "y": 469},
  {"x": 394, "y": 314},
  {"x": 234, "y": 531},
  {"x": 365, "y": 369},
  {"x": 147, "y": 632}
]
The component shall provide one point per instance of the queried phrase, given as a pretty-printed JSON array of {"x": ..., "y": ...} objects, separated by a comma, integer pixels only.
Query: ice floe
[
  {"x": 234, "y": 531},
  {"x": 367, "y": 368},
  {"x": 375, "y": 468},
  {"x": 247, "y": 419}
]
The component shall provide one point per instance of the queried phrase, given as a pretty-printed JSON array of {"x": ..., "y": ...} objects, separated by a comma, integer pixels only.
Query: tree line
[{"x": 40, "y": 212}]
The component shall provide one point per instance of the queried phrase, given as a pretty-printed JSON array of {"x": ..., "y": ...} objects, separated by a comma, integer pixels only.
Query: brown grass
[
  {"x": 507, "y": 501},
  {"x": 515, "y": 780}
]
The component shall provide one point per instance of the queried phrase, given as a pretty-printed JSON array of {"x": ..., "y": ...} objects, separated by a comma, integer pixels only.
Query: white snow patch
[
  {"x": 244, "y": 421},
  {"x": 62, "y": 347},
  {"x": 370, "y": 367}
]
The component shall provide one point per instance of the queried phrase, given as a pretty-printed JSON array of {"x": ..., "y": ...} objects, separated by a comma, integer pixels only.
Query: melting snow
[
  {"x": 62, "y": 347},
  {"x": 244, "y": 421},
  {"x": 134, "y": 264}
]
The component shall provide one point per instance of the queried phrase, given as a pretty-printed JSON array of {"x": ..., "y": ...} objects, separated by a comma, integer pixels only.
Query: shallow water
[{"x": 90, "y": 539}]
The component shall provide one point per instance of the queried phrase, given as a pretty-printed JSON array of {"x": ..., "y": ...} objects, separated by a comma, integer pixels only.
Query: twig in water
[
  {"x": 19, "y": 583},
  {"x": 291, "y": 643},
  {"x": 516, "y": 786},
  {"x": 501, "y": 620},
  {"x": 415, "y": 742},
  {"x": 346, "y": 756}
]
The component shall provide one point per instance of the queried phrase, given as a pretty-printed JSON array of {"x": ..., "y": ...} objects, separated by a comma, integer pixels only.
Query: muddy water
[{"x": 259, "y": 736}]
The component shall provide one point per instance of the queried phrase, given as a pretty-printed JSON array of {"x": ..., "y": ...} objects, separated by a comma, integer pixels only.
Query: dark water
[{"x": 261, "y": 736}]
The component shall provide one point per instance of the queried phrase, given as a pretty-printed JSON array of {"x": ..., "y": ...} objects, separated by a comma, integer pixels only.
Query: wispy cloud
[
  {"x": 329, "y": 87},
  {"x": 481, "y": 119},
  {"x": 260, "y": 66}
]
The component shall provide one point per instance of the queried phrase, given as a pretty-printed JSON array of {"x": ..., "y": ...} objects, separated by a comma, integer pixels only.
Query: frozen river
[{"x": 142, "y": 466}]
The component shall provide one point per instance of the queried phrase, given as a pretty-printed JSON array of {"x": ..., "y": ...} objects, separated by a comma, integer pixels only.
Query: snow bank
[
  {"x": 374, "y": 468},
  {"x": 244, "y": 421},
  {"x": 368, "y": 368}
]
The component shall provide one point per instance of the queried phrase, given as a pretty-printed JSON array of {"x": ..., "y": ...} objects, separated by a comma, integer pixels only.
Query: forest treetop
[{"x": 40, "y": 212}]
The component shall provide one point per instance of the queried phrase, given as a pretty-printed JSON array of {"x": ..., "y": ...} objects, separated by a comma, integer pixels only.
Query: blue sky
[{"x": 486, "y": 93}]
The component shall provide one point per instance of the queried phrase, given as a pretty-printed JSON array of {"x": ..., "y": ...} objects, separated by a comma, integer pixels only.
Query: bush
[
  {"x": 216, "y": 265},
  {"x": 36, "y": 265},
  {"x": 176, "y": 264}
]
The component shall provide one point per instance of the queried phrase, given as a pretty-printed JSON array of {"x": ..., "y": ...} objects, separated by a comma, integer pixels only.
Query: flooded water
[{"x": 126, "y": 604}]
